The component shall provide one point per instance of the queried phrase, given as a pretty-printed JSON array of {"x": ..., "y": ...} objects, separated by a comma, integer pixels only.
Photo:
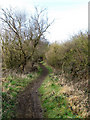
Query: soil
[{"x": 29, "y": 105}]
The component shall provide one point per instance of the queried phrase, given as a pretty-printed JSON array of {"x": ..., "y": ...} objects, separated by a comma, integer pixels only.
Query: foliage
[
  {"x": 70, "y": 57},
  {"x": 70, "y": 60}
]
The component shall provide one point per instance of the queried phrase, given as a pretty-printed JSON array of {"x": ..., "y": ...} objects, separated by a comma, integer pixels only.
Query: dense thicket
[
  {"x": 22, "y": 37},
  {"x": 70, "y": 57}
]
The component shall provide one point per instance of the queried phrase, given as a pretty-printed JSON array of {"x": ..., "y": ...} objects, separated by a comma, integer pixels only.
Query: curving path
[{"x": 28, "y": 101}]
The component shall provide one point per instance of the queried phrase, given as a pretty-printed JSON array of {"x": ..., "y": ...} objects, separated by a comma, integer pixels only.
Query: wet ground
[{"x": 29, "y": 105}]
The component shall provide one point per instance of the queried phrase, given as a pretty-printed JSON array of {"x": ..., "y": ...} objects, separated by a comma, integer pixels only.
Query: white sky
[{"x": 70, "y": 16}]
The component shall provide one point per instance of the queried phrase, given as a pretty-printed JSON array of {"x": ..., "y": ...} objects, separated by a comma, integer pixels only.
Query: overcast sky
[{"x": 70, "y": 16}]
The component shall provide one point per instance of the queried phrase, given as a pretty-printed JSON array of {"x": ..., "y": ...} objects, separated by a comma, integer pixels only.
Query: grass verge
[
  {"x": 12, "y": 85},
  {"x": 54, "y": 103}
]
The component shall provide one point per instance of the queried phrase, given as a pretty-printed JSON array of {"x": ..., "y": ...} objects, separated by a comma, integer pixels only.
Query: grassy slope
[
  {"x": 54, "y": 103},
  {"x": 12, "y": 85}
]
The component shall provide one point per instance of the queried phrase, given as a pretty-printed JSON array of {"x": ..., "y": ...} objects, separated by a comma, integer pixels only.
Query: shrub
[{"x": 70, "y": 57}]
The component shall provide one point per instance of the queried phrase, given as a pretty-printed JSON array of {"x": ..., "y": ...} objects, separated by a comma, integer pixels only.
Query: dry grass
[{"x": 76, "y": 95}]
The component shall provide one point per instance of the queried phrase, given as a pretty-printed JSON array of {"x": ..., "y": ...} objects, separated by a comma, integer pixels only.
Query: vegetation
[
  {"x": 22, "y": 38},
  {"x": 70, "y": 66},
  {"x": 64, "y": 92},
  {"x": 12, "y": 86},
  {"x": 61, "y": 98},
  {"x": 71, "y": 57},
  {"x": 23, "y": 47},
  {"x": 54, "y": 103}
]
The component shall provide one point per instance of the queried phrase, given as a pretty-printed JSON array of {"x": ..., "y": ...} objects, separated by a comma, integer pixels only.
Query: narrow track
[{"x": 29, "y": 105}]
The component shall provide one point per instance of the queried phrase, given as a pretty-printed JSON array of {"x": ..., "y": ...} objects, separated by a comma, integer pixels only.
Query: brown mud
[{"x": 29, "y": 105}]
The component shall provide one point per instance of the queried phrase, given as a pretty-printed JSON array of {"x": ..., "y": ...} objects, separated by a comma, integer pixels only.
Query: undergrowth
[
  {"x": 12, "y": 85},
  {"x": 70, "y": 57},
  {"x": 54, "y": 103}
]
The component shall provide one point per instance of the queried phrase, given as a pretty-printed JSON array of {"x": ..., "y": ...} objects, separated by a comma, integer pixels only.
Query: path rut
[{"x": 29, "y": 105}]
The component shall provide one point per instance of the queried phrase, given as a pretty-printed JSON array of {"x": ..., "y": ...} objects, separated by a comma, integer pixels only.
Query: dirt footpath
[{"x": 29, "y": 105}]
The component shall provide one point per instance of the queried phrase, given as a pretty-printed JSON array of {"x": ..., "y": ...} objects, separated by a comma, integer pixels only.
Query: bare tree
[{"x": 24, "y": 34}]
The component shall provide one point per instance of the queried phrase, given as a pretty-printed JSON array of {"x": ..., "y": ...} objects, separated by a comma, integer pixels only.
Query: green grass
[
  {"x": 12, "y": 86},
  {"x": 54, "y": 103}
]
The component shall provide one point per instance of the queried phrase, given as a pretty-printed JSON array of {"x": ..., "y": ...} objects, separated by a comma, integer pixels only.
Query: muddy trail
[{"x": 29, "y": 105}]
